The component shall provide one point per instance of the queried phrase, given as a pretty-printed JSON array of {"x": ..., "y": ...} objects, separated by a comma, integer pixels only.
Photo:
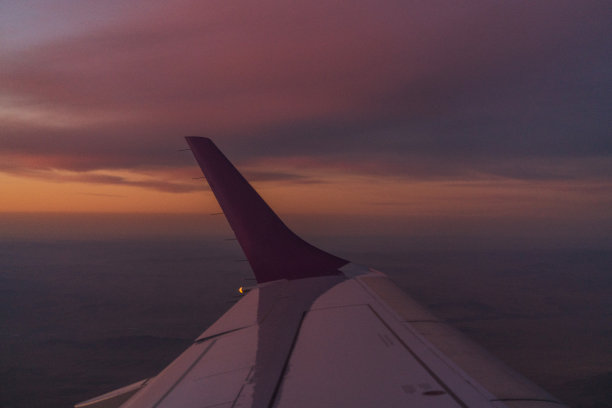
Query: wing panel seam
[
  {"x": 185, "y": 373},
  {"x": 283, "y": 372},
  {"x": 420, "y": 361},
  {"x": 214, "y": 336}
]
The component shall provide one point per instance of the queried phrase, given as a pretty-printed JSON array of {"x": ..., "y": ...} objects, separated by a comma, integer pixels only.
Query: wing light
[{"x": 243, "y": 290}]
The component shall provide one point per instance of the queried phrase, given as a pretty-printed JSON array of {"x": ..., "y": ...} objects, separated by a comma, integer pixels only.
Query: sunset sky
[{"x": 393, "y": 110}]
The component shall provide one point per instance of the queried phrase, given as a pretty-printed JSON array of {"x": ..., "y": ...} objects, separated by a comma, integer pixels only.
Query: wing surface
[{"x": 318, "y": 331}]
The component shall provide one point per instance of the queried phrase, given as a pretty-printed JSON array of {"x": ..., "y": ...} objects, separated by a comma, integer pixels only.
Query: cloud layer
[{"x": 420, "y": 89}]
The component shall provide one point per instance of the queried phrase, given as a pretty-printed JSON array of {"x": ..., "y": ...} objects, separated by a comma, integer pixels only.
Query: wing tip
[
  {"x": 196, "y": 139},
  {"x": 272, "y": 249}
]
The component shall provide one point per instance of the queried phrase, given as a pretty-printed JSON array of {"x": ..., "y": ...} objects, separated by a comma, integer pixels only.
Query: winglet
[{"x": 271, "y": 248}]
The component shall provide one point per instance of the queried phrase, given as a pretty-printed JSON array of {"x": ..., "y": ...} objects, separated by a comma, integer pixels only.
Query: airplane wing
[{"x": 319, "y": 331}]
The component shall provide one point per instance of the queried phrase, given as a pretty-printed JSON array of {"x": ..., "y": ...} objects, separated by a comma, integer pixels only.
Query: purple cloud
[{"x": 420, "y": 89}]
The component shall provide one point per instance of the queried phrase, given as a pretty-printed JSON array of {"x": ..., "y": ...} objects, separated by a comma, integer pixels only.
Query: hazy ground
[{"x": 81, "y": 317}]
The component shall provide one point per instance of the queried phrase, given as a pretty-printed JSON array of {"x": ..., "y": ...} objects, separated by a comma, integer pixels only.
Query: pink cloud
[{"x": 337, "y": 82}]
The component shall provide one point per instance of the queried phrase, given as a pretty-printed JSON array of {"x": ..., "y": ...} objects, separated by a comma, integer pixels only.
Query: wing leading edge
[{"x": 318, "y": 331}]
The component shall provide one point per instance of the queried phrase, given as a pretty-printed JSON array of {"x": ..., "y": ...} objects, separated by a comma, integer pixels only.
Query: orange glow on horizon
[{"x": 336, "y": 194}]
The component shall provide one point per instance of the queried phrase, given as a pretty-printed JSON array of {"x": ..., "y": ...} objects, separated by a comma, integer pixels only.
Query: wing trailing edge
[{"x": 272, "y": 249}]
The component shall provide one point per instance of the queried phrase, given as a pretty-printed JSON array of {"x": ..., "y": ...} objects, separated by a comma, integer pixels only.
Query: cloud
[
  {"x": 108, "y": 179},
  {"x": 160, "y": 178},
  {"x": 412, "y": 89},
  {"x": 104, "y": 195},
  {"x": 263, "y": 176}
]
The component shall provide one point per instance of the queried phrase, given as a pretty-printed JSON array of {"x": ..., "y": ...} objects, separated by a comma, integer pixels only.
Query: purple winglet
[{"x": 271, "y": 248}]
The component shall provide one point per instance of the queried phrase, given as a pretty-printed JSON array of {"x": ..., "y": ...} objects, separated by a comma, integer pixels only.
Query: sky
[{"x": 482, "y": 112}]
